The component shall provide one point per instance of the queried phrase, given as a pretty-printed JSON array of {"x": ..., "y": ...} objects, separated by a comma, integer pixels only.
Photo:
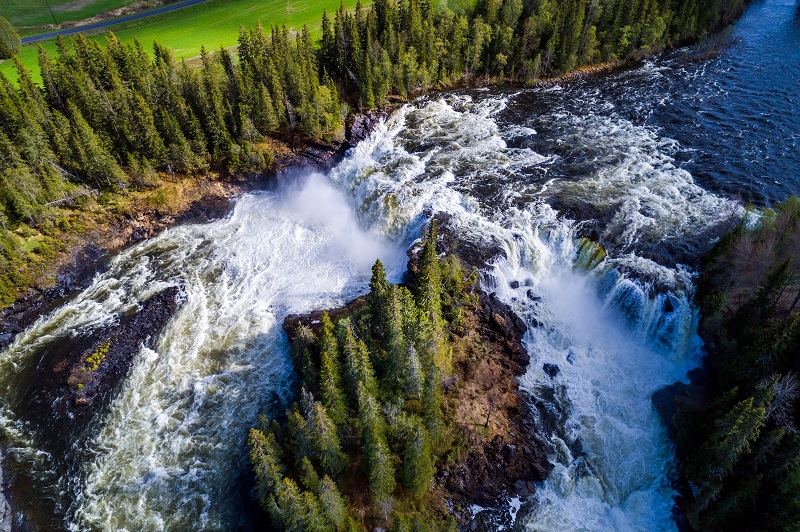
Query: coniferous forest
[
  {"x": 369, "y": 428},
  {"x": 739, "y": 443},
  {"x": 108, "y": 118}
]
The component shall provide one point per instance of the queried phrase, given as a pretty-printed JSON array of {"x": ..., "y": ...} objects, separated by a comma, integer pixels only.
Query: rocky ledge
[
  {"x": 505, "y": 456},
  {"x": 75, "y": 377}
]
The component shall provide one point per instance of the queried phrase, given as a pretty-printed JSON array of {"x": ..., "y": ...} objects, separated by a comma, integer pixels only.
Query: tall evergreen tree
[{"x": 330, "y": 372}]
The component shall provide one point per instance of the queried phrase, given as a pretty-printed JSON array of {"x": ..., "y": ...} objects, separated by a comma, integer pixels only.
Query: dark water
[
  {"x": 722, "y": 117},
  {"x": 732, "y": 104}
]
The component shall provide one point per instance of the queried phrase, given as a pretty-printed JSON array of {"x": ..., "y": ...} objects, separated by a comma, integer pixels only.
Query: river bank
[{"x": 748, "y": 296}]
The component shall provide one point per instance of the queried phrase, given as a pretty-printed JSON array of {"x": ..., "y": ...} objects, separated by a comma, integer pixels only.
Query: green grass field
[
  {"x": 213, "y": 24},
  {"x": 35, "y": 13}
]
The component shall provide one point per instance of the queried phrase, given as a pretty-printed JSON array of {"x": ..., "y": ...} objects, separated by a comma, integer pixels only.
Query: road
[{"x": 109, "y": 22}]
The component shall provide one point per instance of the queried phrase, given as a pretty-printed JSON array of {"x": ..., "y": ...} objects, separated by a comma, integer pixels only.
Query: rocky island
[{"x": 409, "y": 409}]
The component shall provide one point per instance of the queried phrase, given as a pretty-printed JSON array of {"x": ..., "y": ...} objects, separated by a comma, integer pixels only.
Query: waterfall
[{"x": 169, "y": 452}]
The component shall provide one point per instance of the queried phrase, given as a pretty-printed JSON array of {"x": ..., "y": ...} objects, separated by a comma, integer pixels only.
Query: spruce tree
[
  {"x": 418, "y": 467},
  {"x": 378, "y": 299},
  {"x": 332, "y": 503},
  {"x": 325, "y": 440},
  {"x": 9, "y": 39},
  {"x": 380, "y": 469},
  {"x": 358, "y": 365},
  {"x": 330, "y": 374}
]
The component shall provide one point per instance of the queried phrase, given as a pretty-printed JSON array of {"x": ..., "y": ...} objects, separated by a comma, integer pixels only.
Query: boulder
[{"x": 551, "y": 370}]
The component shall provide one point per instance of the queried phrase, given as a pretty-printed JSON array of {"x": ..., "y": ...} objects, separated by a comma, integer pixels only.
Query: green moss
[{"x": 590, "y": 255}]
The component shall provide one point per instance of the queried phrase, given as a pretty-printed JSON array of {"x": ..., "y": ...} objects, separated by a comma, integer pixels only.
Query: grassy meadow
[
  {"x": 23, "y": 13},
  {"x": 212, "y": 24}
]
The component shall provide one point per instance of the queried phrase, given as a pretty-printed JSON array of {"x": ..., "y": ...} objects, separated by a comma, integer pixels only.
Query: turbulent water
[{"x": 629, "y": 160}]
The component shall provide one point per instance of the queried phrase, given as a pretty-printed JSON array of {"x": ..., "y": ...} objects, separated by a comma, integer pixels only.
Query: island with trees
[{"x": 408, "y": 410}]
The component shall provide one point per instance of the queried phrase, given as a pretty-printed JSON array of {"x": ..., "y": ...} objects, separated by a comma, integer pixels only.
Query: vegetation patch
[
  {"x": 23, "y": 13},
  {"x": 393, "y": 392}
]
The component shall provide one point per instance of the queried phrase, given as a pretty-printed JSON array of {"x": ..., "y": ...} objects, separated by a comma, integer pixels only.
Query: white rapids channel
[{"x": 169, "y": 453}]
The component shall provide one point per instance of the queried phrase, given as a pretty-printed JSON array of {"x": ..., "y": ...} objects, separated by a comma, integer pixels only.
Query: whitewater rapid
[
  {"x": 169, "y": 452},
  {"x": 617, "y": 332}
]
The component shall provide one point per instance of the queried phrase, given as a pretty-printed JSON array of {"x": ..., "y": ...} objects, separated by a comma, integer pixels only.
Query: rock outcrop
[
  {"x": 78, "y": 376},
  {"x": 502, "y": 455}
]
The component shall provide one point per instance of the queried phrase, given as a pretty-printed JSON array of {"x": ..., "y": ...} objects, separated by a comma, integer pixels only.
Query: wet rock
[
  {"x": 6, "y": 513},
  {"x": 359, "y": 130},
  {"x": 362, "y": 125},
  {"x": 514, "y": 284},
  {"x": 528, "y": 282},
  {"x": 471, "y": 253},
  {"x": 551, "y": 370},
  {"x": 571, "y": 357},
  {"x": 532, "y": 296},
  {"x": 542, "y": 469},
  {"x": 64, "y": 390},
  {"x": 523, "y": 488},
  {"x": 318, "y": 155},
  {"x": 670, "y": 399}
]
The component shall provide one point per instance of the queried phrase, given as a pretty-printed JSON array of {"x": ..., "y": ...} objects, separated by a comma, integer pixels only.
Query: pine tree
[
  {"x": 358, "y": 365},
  {"x": 332, "y": 503},
  {"x": 325, "y": 439},
  {"x": 9, "y": 39},
  {"x": 91, "y": 158},
  {"x": 418, "y": 467},
  {"x": 378, "y": 299},
  {"x": 380, "y": 469},
  {"x": 309, "y": 476},
  {"x": 330, "y": 380},
  {"x": 413, "y": 376},
  {"x": 733, "y": 436},
  {"x": 428, "y": 288},
  {"x": 265, "y": 455},
  {"x": 394, "y": 338}
]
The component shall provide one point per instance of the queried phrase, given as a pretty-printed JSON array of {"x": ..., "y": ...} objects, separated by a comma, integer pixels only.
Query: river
[{"x": 650, "y": 162}]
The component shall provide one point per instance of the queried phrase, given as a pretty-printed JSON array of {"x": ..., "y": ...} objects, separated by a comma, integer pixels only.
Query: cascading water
[
  {"x": 169, "y": 452},
  {"x": 616, "y": 337}
]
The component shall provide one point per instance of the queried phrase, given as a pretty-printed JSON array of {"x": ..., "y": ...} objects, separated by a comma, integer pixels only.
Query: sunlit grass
[
  {"x": 36, "y": 13},
  {"x": 212, "y": 24}
]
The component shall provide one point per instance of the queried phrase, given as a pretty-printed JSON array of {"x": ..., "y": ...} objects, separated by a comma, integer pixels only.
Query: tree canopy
[{"x": 381, "y": 447}]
